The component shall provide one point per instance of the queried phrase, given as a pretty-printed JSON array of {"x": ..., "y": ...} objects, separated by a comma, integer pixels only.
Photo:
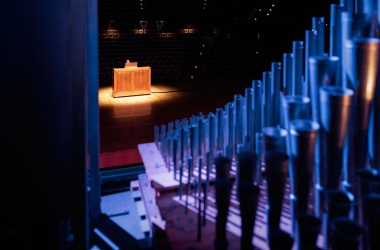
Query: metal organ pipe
[{"x": 324, "y": 107}]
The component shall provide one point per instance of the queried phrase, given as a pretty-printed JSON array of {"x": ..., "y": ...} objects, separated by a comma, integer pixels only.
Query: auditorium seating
[{"x": 180, "y": 51}]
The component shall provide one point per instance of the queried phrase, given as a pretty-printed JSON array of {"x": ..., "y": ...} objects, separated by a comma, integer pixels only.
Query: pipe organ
[{"x": 312, "y": 121}]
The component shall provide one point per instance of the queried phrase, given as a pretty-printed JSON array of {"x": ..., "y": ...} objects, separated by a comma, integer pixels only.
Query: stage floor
[{"x": 126, "y": 122}]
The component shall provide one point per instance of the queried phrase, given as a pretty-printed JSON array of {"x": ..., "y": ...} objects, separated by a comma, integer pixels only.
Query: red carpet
[{"x": 120, "y": 158}]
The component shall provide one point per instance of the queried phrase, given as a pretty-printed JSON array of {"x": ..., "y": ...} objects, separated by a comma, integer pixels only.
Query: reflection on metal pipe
[
  {"x": 303, "y": 135},
  {"x": 294, "y": 107},
  {"x": 335, "y": 103},
  {"x": 323, "y": 72},
  {"x": 361, "y": 67},
  {"x": 335, "y": 116},
  {"x": 353, "y": 26}
]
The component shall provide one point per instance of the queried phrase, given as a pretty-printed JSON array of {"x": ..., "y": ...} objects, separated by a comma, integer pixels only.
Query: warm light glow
[
  {"x": 141, "y": 103},
  {"x": 267, "y": 14}
]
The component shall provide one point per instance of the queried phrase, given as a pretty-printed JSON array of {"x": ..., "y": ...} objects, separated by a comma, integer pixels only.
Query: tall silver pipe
[
  {"x": 180, "y": 158},
  {"x": 231, "y": 131},
  {"x": 226, "y": 131},
  {"x": 335, "y": 117},
  {"x": 323, "y": 72},
  {"x": 274, "y": 140},
  {"x": 193, "y": 146},
  {"x": 170, "y": 138},
  {"x": 335, "y": 103},
  {"x": 248, "y": 195},
  {"x": 202, "y": 137},
  {"x": 276, "y": 168},
  {"x": 375, "y": 124},
  {"x": 303, "y": 135},
  {"x": 157, "y": 135},
  {"x": 257, "y": 87},
  {"x": 276, "y": 69},
  {"x": 175, "y": 157},
  {"x": 287, "y": 74},
  {"x": 212, "y": 134},
  {"x": 311, "y": 49},
  {"x": 249, "y": 116},
  {"x": 186, "y": 143},
  {"x": 220, "y": 128},
  {"x": 367, "y": 6},
  {"x": 335, "y": 43},
  {"x": 162, "y": 139},
  {"x": 348, "y": 5},
  {"x": 355, "y": 25},
  {"x": 267, "y": 99},
  {"x": 244, "y": 120},
  {"x": 294, "y": 107},
  {"x": 238, "y": 103},
  {"x": 199, "y": 179},
  {"x": 361, "y": 64},
  {"x": 223, "y": 187},
  {"x": 297, "y": 68},
  {"x": 188, "y": 183},
  {"x": 318, "y": 24}
]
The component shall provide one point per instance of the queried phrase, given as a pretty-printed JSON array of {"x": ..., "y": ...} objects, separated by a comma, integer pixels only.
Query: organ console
[{"x": 323, "y": 149}]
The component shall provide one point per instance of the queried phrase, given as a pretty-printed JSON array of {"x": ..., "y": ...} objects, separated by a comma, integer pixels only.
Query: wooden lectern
[{"x": 131, "y": 80}]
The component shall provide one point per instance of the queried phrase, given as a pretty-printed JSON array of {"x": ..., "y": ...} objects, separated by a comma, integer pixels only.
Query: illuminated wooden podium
[{"x": 131, "y": 80}]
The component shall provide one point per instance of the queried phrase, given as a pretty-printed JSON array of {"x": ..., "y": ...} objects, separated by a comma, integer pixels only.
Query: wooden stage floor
[{"x": 126, "y": 122}]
